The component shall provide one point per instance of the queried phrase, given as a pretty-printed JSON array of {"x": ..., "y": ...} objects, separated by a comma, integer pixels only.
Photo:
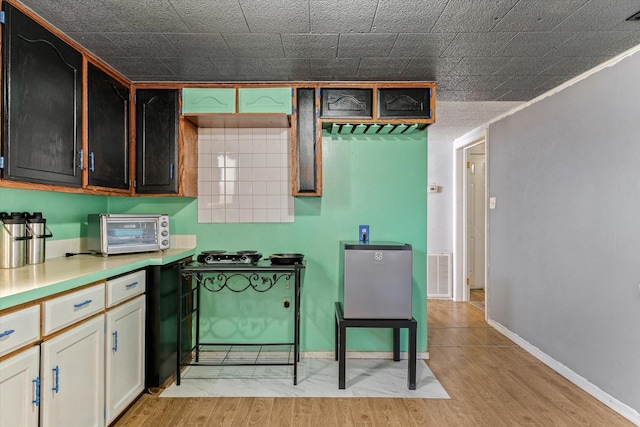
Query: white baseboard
[
  {"x": 613, "y": 403},
  {"x": 361, "y": 355}
]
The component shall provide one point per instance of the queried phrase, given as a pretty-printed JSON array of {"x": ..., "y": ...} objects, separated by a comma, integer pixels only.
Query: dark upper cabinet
[
  {"x": 108, "y": 129},
  {"x": 404, "y": 103},
  {"x": 157, "y": 141},
  {"x": 42, "y": 101},
  {"x": 346, "y": 103},
  {"x": 306, "y": 178}
]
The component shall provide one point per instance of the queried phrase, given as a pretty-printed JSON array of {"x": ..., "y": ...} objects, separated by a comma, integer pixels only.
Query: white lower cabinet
[
  {"x": 125, "y": 368},
  {"x": 19, "y": 386},
  {"x": 72, "y": 368}
]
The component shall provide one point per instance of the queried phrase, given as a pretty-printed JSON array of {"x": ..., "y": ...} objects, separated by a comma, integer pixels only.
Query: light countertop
[{"x": 32, "y": 282}]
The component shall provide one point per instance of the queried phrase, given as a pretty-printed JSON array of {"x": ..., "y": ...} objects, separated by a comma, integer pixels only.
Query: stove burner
[{"x": 222, "y": 257}]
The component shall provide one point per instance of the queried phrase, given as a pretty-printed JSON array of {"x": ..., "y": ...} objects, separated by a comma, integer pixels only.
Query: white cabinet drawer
[
  {"x": 68, "y": 309},
  {"x": 19, "y": 328},
  {"x": 125, "y": 287}
]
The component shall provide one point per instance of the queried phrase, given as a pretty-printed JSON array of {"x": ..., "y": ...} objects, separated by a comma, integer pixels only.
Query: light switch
[{"x": 492, "y": 202}]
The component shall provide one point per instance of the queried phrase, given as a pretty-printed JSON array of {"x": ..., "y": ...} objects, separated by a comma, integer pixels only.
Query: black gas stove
[{"x": 224, "y": 257}]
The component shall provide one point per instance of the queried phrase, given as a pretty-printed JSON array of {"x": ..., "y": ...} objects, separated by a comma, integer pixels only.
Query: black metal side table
[{"x": 342, "y": 324}]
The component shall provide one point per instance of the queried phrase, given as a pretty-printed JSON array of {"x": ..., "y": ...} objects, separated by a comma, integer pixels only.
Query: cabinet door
[
  {"x": 307, "y": 166},
  {"x": 265, "y": 100},
  {"x": 72, "y": 387},
  {"x": 108, "y": 127},
  {"x": 157, "y": 141},
  {"x": 404, "y": 103},
  {"x": 42, "y": 104},
  {"x": 346, "y": 103},
  {"x": 124, "y": 356},
  {"x": 208, "y": 100},
  {"x": 19, "y": 388}
]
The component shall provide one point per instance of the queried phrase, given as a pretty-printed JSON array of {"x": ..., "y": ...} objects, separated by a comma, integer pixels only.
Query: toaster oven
[{"x": 110, "y": 234}]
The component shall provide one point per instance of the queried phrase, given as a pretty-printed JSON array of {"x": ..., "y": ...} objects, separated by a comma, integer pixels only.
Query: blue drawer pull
[
  {"x": 37, "y": 391},
  {"x": 81, "y": 304},
  {"x": 7, "y": 332},
  {"x": 115, "y": 341},
  {"x": 131, "y": 285},
  {"x": 56, "y": 370}
]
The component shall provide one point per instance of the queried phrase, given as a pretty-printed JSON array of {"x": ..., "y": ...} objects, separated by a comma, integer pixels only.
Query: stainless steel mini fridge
[{"x": 375, "y": 280}]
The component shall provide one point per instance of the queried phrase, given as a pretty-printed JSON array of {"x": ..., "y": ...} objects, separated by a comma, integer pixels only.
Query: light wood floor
[
  {"x": 476, "y": 297},
  {"x": 491, "y": 381}
]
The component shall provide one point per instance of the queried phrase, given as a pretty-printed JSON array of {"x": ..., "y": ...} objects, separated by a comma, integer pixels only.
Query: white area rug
[{"x": 316, "y": 378}]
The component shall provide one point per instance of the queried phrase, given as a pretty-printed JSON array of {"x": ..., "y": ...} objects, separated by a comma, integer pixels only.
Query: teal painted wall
[
  {"x": 66, "y": 213},
  {"x": 375, "y": 180}
]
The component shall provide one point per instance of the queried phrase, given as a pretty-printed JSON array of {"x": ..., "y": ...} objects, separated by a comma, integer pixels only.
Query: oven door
[{"x": 126, "y": 234}]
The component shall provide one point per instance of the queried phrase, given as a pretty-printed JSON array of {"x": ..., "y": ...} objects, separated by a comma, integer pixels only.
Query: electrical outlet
[{"x": 286, "y": 303}]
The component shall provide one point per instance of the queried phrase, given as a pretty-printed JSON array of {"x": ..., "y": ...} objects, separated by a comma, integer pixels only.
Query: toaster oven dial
[
  {"x": 165, "y": 242},
  {"x": 164, "y": 223},
  {"x": 164, "y": 233}
]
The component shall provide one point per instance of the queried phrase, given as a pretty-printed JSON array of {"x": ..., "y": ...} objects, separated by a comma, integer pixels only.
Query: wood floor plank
[
  {"x": 224, "y": 412},
  {"x": 260, "y": 412},
  {"x": 282, "y": 412}
]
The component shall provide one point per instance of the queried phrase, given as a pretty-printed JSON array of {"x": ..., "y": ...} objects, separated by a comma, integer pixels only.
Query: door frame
[{"x": 460, "y": 147}]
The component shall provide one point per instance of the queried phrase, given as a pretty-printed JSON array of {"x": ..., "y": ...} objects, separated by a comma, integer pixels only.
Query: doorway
[
  {"x": 475, "y": 224},
  {"x": 467, "y": 149}
]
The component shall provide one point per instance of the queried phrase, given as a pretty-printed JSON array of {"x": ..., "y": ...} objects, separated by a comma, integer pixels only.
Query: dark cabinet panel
[
  {"x": 306, "y": 152},
  {"x": 108, "y": 128},
  {"x": 157, "y": 141},
  {"x": 162, "y": 323},
  {"x": 42, "y": 104},
  {"x": 339, "y": 103},
  {"x": 404, "y": 103}
]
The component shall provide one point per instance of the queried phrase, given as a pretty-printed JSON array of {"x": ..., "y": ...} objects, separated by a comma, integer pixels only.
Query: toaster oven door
[{"x": 125, "y": 235}]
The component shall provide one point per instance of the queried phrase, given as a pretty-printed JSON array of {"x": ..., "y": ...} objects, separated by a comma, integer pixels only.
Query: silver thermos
[
  {"x": 38, "y": 231},
  {"x": 13, "y": 235}
]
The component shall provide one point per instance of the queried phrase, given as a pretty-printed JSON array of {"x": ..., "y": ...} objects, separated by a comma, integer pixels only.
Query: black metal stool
[{"x": 342, "y": 324}]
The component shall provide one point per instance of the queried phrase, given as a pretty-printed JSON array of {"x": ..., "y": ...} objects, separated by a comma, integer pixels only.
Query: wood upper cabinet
[
  {"x": 208, "y": 100},
  {"x": 275, "y": 100},
  {"x": 108, "y": 130},
  {"x": 157, "y": 141},
  {"x": 307, "y": 156},
  {"x": 394, "y": 103},
  {"x": 42, "y": 85},
  {"x": 346, "y": 103}
]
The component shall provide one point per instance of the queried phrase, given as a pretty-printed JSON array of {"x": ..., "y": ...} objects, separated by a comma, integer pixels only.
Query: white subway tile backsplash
[
  {"x": 259, "y": 201},
  {"x": 272, "y": 174},
  {"x": 259, "y": 187},
  {"x": 259, "y": 215},
  {"x": 259, "y": 145},
  {"x": 244, "y": 175},
  {"x": 259, "y": 160}
]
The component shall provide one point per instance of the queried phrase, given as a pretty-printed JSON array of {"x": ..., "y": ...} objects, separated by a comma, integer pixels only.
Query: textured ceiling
[{"x": 475, "y": 50}]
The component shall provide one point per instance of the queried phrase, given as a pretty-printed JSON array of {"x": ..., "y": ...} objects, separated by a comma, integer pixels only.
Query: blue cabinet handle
[
  {"x": 81, "y": 157},
  {"x": 56, "y": 370},
  {"x": 82, "y": 303},
  {"x": 36, "y": 400},
  {"x": 131, "y": 285},
  {"x": 7, "y": 332},
  {"x": 115, "y": 341},
  {"x": 92, "y": 162}
]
